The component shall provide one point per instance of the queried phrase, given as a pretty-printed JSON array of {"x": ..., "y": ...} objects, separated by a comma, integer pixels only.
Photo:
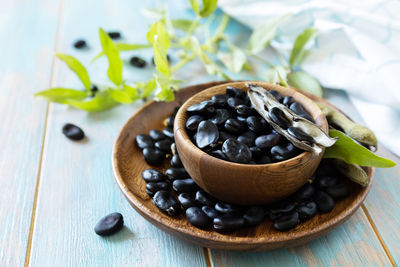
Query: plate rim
[{"x": 156, "y": 218}]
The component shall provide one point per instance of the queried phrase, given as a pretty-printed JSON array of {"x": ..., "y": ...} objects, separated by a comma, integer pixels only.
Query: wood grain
[
  {"x": 244, "y": 183},
  {"x": 28, "y": 33},
  {"x": 128, "y": 164},
  {"x": 76, "y": 186}
]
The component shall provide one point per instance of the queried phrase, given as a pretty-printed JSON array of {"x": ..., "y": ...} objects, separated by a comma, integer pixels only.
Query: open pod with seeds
[{"x": 300, "y": 132}]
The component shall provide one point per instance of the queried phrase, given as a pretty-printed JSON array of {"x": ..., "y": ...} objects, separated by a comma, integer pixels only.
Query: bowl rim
[{"x": 181, "y": 129}]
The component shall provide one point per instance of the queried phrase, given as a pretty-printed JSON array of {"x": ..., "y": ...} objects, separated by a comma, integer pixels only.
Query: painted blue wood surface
[
  {"x": 76, "y": 185},
  {"x": 28, "y": 35}
]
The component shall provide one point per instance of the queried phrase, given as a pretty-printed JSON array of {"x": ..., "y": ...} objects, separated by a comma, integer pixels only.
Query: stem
[
  {"x": 261, "y": 59},
  {"x": 281, "y": 58},
  {"x": 181, "y": 63}
]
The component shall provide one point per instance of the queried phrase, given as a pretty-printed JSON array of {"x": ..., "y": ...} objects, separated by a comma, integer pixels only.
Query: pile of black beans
[
  {"x": 229, "y": 128},
  {"x": 174, "y": 191}
]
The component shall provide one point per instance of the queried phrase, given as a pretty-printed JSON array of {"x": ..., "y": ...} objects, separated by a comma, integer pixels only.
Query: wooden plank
[
  {"x": 27, "y": 31},
  {"x": 353, "y": 244},
  {"x": 76, "y": 187}
]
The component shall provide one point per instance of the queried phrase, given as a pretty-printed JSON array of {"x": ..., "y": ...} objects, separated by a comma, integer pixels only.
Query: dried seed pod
[
  {"x": 352, "y": 171},
  {"x": 263, "y": 101},
  {"x": 358, "y": 132}
]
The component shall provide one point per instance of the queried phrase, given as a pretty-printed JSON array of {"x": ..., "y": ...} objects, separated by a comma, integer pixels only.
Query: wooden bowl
[
  {"x": 246, "y": 184},
  {"x": 128, "y": 164}
]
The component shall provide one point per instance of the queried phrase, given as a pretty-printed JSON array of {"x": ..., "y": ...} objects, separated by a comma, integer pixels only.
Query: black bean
[
  {"x": 283, "y": 206},
  {"x": 176, "y": 173},
  {"x": 242, "y": 119},
  {"x": 254, "y": 216},
  {"x": 256, "y": 152},
  {"x": 170, "y": 122},
  {"x": 143, "y": 141},
  {"x": 338, "y": 191},
  {"x": 197, "y": 217},
  {"x": 218, "y": 154},
  {"x": 152, "y": 176},
  {"x": 279, "y": 117},
  {"x": 255, "y": 124},
  {"x": 207, "y": 134},
  {"x": 247, "y": 138},
  {"x": 109, "y": 224},
  {"x": 305, "y": 192},
  {"x": 211, "y": 212},
  {"x": 157, "y": 135},
  {"x": 228, "y": 222},
  {"x": 153, "y": 156},
  {"x": 287, "y": 100},
  {"x": 168, "y": 132},
  {"x": 287, "y": 221},
  {"x": 186, "y": 200},
  {"x": 263, "y": 160},
  {"x": 234, "y": 126},
  {"x": 166, "y": 202},
  {"x": 326, "y": 168},
  {"x": 236, "y": 151},
  {"x": 244, "y": 110},
  {"x": 267, "y": 141},
  {"x": 205, "y": 107},
  {"x": 307, "y": 210},
  {"x": 235, "y": 92},
  {"x": 220, "y": 100},
  {"x": 227, "y": 208},
  {"x": 73, "y": 132},
  {"x": 114, "y": 35},
  {"x": 300, "y": 134},
  {"x": 233, "y": 102},
  {"x": 94, "y": 89},
  {"x": 152, "y": 188},
  {"x": 204, "y": 199},
  {"x": 193, "y": 122},
  {"x": 137, "y": 62},
  {"x": 176, "y": 161},
  {"x": 324, "y": 201},
  {"x": 299, "y": 110},
  {"x": 220, "y": 116},
  {"x": 184, "y": 185},
  {"x": 325, "y": 181},
  {"x": 223, "y": 135},
  {"x": 284, "y": 151},
  {"x": 80, "y": 44},
  {"x": 276, "y": 94},
  {"x": 164, "y": 145}
]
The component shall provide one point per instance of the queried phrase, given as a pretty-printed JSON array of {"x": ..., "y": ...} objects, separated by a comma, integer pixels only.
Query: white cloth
[{"x": 357, "y": 50}]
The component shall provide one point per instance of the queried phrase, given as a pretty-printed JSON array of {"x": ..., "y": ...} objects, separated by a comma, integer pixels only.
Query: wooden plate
[{"x": 128, "y": 165}]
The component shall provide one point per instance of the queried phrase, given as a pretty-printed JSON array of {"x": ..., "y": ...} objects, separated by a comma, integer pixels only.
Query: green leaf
[
  {"x": 60, "y": 95},
  {"x": 132, "y": 92},
  {"x": 263, "y": 34},
  {"x": 158, "y": 32},
  {"x": 122, "y": 47},
  {"x": 114, "y": 71},
  {"x": 305, "y": 82},
  {"x": 182, "y": 24},
  {"x": 298, "y": 51},
  {"x": 211, "y": 67},
  {"x": 207, "y": 9},
  {"x": 160, "y": 58},
  {"x": 165, "y": 88},
  {"x": 275, "y": 75},
  {"x": 148, "y": 88},
  {"x": 121, "y": 96},
  {"x": 100, "y": 102},
  {"x": 348, "y": 150},
  {"x": 77, "y": 67},
  {"x": 234, "y": 60}
]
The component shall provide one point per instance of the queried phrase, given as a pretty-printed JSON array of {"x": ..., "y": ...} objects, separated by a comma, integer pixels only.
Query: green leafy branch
[{"x": 161, "y": 38}]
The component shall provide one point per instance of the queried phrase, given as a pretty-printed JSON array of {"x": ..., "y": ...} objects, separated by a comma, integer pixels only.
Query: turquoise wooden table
[{"x": 53, "y": 191}]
